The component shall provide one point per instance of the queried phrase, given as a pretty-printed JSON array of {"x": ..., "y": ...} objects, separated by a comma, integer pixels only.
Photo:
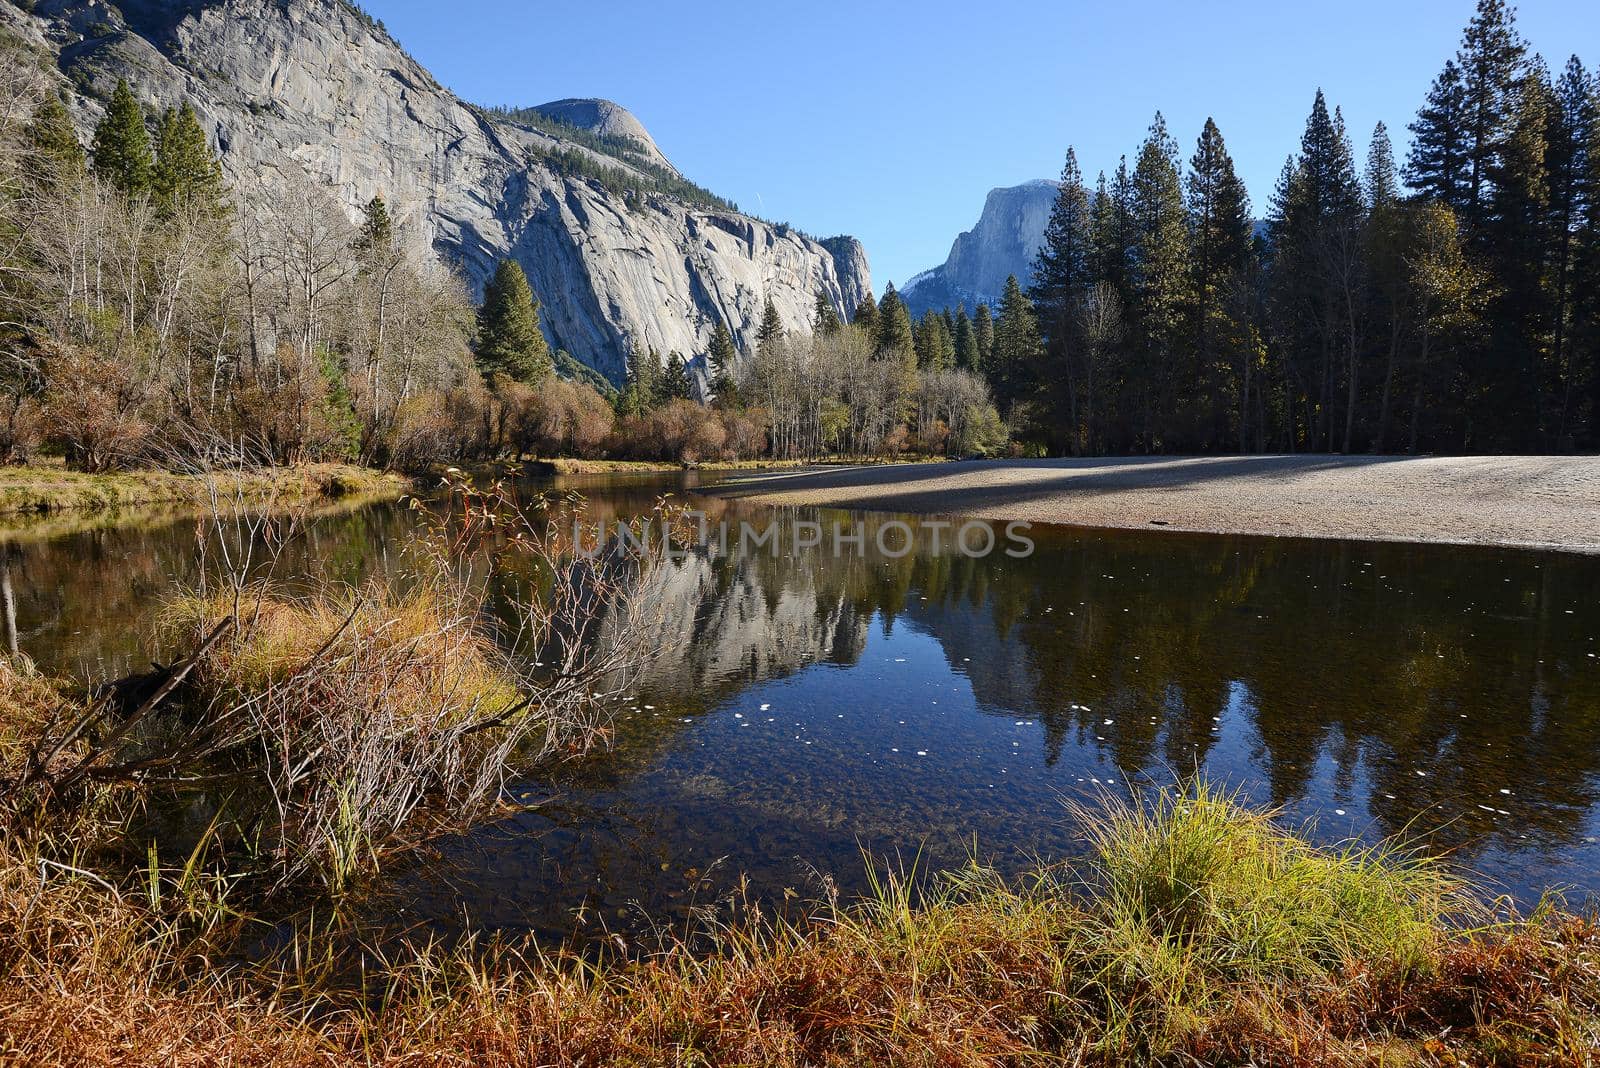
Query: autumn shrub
[{"x": 94, "y": 404}]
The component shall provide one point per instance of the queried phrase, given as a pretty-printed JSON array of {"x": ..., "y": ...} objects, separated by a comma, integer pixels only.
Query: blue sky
[{"x": 891, "y": 121}]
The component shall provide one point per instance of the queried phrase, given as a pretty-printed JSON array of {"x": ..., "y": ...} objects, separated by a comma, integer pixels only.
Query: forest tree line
[
  {"x": 1451, "y": 303},
  {"x": 153, "y": 314}
]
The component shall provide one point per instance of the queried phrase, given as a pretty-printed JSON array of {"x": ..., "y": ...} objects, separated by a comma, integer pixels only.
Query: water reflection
[{"x": 809, "y": 706}]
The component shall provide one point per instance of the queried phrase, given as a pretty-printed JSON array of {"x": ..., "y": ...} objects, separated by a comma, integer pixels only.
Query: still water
[{"x": 808, "y": 709}]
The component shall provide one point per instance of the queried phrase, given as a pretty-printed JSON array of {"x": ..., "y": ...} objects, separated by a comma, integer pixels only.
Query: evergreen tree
[
  {"x": 675, "y": 380},
  {"x": 1510, "y": 403},
  {"x": 1385, "y": 244},
  {"x": 1061, "y": 272},
  {"x": 1438, "y": 165},
  {"x": 1573, "y": 137},
  {"x": 1061, "y": 277},
  {"x": 1220, "y": 238},
  {"x": 185, "y": 171},
  {"x": 376, "y": 236},
  {"x": 866, "y": 316},
  {"x": 122, "y": 157},
  {"x": 1316, "y": 232},
  {"x": 720, "y": 360},
  {"x": 895, "y": 339},
  {"x": 771, "y": 330},
  {"x": 1160, "y": 268},
  {"x": 54, "y": 154},
  {"x": 897, "y": 345},
  {"x": 1111, "y": 231},
  {"x": 825, "y": 318},
  {"x": 966, "y": 342},
  {"x": 983, "y": 338},
  {"x": 638, "y": 394},
  {"x": 1491, "y": 60},
  {"x": 1381, "y": 183},
  {"x": 1016, "y": 345},
  {"x": 509, "y": 340},
  {"x": 934, "y": 345}
]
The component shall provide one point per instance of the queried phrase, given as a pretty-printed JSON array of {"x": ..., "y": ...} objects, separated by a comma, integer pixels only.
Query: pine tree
[
  {"x": 720, "y": 360},
  {"x": 825, "y": 319},
  {"x": 185, "y": 171},
  {"x": 1316, "y": 239},
  {"x": 638, "y": 393},
  {"x": 1380, "y": 182},
  {"x": 1061, "y": 270},
  {"x": 1491, "y": 60},
  {"x": 1061, "y": 277},
  {"x": 1016, "y": 345},
  {"x": 54, "y": 155},
  {"x": 1385, "y": 244},
  {"x": 966, "y": 342},
  {"x": 983, "y": 337},
  {"x": 935, "y": 347},
  {"x": 1573, "y": 135},
  {"x": 896, "y": 344},
  {"x": 1220, "y": 225},
  {"x": 509, "y": 340},
  {"x": 771, "y": 330},
  {"x": 675, "y": 380},
  {"x": 895, "y": 339},
  {"x": 1438, "y": 165},
  {"x": 1511, "y": 403},
  {"x": 122, "y": 157},
  {"x": 866, "y": 316},
  {"x": 376, "y": 236},
  {"x": 1160, "y": 269},
  {"x": 1111, "y": 231}
]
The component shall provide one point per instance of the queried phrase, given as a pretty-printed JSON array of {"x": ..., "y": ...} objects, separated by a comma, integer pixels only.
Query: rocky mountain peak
[
  {"x": 609, "y": 121},
  {"x": 1004, "y": 242},
  {"x": 621, "y": 250}
]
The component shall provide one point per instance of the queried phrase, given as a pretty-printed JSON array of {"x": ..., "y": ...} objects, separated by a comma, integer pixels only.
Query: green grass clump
[{"x": 1195, "y": 897}]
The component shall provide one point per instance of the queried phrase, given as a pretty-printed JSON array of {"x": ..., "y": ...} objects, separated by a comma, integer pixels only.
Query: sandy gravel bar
[{"x": 1535, "y": 501}]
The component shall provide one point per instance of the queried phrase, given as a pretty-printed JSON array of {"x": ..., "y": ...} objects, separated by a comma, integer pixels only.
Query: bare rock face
[
  {"x": 1005, "y": 242},
  {"x": 319, "y": 86}
]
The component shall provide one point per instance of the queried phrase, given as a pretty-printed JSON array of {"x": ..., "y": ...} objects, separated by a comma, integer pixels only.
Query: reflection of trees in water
[
  {"x": 84, "y": 601},
  {"x": 1386, "y": 660}
]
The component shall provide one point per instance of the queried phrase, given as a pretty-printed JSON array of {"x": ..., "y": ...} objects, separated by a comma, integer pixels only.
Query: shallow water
[{"x": 811, "y": 708}]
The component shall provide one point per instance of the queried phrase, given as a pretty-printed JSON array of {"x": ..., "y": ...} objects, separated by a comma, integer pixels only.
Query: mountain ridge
[{"x": 619, "y": 254}]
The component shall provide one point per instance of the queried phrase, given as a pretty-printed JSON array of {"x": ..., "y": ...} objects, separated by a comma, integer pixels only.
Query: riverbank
[
  {"x": 1547, "y": 502},
  {"x": 572, "y": 466},
  {"x": 1200, "y": 935},
  {"x": 1192, "y": 930},
  {"x": 52, "y": 488}
]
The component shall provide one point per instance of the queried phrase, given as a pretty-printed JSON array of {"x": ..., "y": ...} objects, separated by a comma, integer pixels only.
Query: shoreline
[
  {"x": 47, "y": 489},
  {"x": 1531, "y": 502}
]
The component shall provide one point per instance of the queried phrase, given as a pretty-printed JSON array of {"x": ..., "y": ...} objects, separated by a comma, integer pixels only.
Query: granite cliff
[
  {"x": 621, "y": 250},
  {"x": 1004, "y": 242}
]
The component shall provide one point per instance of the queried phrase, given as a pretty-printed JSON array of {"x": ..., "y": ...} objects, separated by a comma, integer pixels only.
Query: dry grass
[
  {"x": 969, "y": 969},
  {"x": 51, "y": 487}
]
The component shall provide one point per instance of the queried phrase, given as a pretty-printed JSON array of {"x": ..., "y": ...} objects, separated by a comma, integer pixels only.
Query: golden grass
[
  {"x": 436, "y": 659},
  {"x": 51, "y": 487},
  {"x": 968, "y": 969}
]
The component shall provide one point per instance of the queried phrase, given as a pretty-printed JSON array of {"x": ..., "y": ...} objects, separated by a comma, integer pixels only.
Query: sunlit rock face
[
  {"x": 1004, "y": 242},
  {"x": 314, "y": 85}
]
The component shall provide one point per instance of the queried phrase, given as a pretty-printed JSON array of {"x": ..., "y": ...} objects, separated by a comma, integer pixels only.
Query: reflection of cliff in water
[{"x": 1426, "y": 679}]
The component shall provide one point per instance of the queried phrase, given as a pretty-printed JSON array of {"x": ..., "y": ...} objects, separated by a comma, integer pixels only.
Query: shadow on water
[{"x": 811, "y": 705}]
